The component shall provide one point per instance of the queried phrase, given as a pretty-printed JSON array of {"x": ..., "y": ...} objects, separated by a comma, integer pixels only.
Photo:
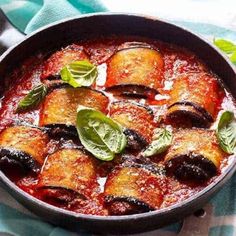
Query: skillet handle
[{"x": 9, "y": 35}]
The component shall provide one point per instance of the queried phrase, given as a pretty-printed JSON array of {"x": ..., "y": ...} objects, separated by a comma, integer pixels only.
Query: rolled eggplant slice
[
  {"x": 61, "y": 58},
  {"x": 194, "y": 100},
  {"x": 68, "y": 171},
  {"x": 25, "y": 146},
  {"x": 135, "y": 67},
  {"x": 60, "y": 107},
  {"x": 194, "y": 156},
  {"x": 133, "y": 189},
  {"x": 138, "y": 121}
]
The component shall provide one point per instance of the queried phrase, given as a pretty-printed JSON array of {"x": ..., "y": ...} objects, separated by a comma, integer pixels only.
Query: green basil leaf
[
  {"x": 226, "y": 132},
  {"x": 33, "y": 98},
  {"x": 162, "y": 139},
  {"x": 79, "y": 73},
  {"x": 99, "y": 134},
  {"x": 233, "y": 58},
  {"x": 225, "y": 45}
]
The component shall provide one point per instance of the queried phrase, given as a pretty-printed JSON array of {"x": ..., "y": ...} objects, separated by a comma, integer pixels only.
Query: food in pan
[
  {"x": 133, "y": 187},
  {"x": 194, "y": 155},
  {"x": 194, "y": 100},
  {"x": 70, "y": 170},
  {"x": 25, "y": 146},
  {"x": 136, "y": 68},
  {"x": 137, "y": 120},
  {"x": 116, "y": 126},
  {"x": 59, "y": 109}
]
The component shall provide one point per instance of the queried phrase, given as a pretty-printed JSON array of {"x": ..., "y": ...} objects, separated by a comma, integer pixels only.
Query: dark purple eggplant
[
  {"x": 137, "y": 121},
  {"x": 194, "y": 100},
  {"x": 59, "y": 109},
  {"x": 24, "y": 145},
  {"x": 68, "y": 170},
  {"x": 194, "y": 155},
  {"x": 135, "y": 66},
  {"x": 135, "y": 186}
]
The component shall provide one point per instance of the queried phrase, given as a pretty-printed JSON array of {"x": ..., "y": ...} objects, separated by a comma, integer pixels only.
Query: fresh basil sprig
[
  {"x": 33, "y": 98},
  {"x": 226, "y": 132},
  {"x": 162, "y": 139},
  {"x": 228, "y": 47},
  {"x": 99, "y": 134},
  {"x": 79, "y": 73}
]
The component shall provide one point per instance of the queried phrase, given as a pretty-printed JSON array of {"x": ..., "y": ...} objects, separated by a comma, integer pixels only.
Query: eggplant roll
[
  {"x": 60, "y": 106},
  {"x": 25, "y": 146},
  {"x": 59, "y": 59},
  {"x": 138, "y": 121},
  {"x": 136, "y": 66},
  {"x": 194, "y": 101},
  {"x": 68, "y": 172},
  {"x": 194, "y": 155},
  {"x": 134, "y": 188}
]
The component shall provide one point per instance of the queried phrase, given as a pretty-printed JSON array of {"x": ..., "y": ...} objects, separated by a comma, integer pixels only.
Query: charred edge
[
  {"x": 57, "y": 84},
  {"x": 131, "y": 161},
  {"x": 13, "y": 156},
  {"x": 60, "y": 130},
  {"x": 53, "y": 77},
  {"x": 68, "y": 194},
  {"x": 197, "y": 119},
  {"x": 204, "y": 113},
  {"x": 147, "y": 108},
  {"x": 132, "y": 90},
  {"x": 109, "y": 199},
  {"x": 135, "y": 140},
  {"x": 191, "y": 166}
]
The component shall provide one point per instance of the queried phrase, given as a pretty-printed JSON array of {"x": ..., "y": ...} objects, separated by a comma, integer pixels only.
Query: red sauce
[{"x": 176, "y": 61}]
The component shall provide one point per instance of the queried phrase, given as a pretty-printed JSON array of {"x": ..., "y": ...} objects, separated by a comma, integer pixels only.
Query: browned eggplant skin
[
  {"x": 26, "y": 145},
  {"x": 69, "y": 170},
  {"x": 61, "y": 58},
  {"x": 193, "y": 100},
  {"x": 120, "y": 24},
  {"x": 195, "y": 155},
  {"x": 59, "y": 109},
  {"x": 133, "y": 187},
  {"x": 132, "y": 91},
  {"x": 135, "y": 66},
  {"x": 138, "y": 121}
]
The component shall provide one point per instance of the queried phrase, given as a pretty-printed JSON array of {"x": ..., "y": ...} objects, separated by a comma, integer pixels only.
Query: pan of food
[{"x": 115, "y": 123}]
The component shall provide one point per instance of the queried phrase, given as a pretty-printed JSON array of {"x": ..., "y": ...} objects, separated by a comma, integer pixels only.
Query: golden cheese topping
[
  {"x": 196, "y": 142},
  {"x": 134, "y": 117},
  {"x": 26, "y": 139},
  {"x": 138, "y": 183},
  {"x": 137, "y": 66},
  {"x": 70, "y": 169},
  {"x": 60, "y": 106}
]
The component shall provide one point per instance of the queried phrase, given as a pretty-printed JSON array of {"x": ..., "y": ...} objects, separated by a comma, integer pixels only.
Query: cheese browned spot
[
  {"x": 59, "y": 59},
  {"x": 135, "y": 66},
  {"x": 133, "y": 189},
  {"x": 69, "y": 170},
  {"x": 25, "y": 145},
  {"x": 194, "y": 155},
  {"x": 194, "y": 100}
]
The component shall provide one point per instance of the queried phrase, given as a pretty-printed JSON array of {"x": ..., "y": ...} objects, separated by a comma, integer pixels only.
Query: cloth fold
[{"x": 27, "y": 16}]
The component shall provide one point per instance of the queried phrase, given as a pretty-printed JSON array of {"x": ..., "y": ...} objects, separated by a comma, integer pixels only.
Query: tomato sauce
[{"x": 176, "y": 60}]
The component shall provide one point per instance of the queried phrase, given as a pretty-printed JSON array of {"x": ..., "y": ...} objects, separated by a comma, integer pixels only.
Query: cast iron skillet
[{"x": 105, "y": 24}]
